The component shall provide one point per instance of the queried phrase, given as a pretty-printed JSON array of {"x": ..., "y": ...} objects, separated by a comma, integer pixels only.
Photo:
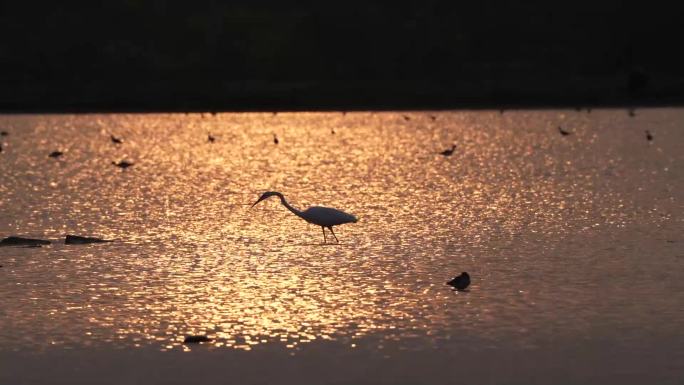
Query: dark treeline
[{"x": 160, "y": 55}]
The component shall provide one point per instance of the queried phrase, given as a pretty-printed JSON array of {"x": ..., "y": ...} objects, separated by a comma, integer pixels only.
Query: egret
[
  {"x": 460, "y": 282},
  {"x": 449, "y": 152},
  {"x": 320, "y": 216},
  {"x": 56, "y": 154},
  {"x": 562, "y": 131}
]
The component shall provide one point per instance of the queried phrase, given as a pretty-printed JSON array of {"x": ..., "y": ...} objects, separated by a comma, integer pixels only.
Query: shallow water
[{"x": 572, "y": 242}]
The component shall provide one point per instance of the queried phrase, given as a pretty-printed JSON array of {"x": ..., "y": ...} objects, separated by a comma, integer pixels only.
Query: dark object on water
[
  {"x": 211, "y": 138},
  {"x": 4, "y": 133},
  {"x": 56, "y": 154},
  {"x": 115, "y": 139},
  {"x": 460, "y": 282},
  {"x": 78, "y": 240},
  {"x": 562, "y": 131},
  {"x": 406, "y": 118},
  {"x": 123, "y": 164},
  {"x": 19, "y": 241},
  {"x": 196, "y": 339},
  {"x": 448, "y": 152},
  {"x": 649, "y": 137},
  {"x": 631, "y": 112},
  {"x": 275, "y": 139}
]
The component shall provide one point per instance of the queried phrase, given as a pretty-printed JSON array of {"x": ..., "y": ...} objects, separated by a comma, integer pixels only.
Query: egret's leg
[
  {"x": 333, "y": 233},
  {"x": 324, "y": 240}
]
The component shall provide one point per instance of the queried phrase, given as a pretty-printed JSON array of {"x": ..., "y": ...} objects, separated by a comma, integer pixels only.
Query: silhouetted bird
[
  {"x": 275, "y": 139},
  {"x": 4, "y": 133},
  {"x": 649, "y": 137},
  {"x": 562, "y": 131},
  {"x": 449, "y": 152},
  {"x": 332, "y": 131},
  {"x": 460, "y": 282},
  {"x": 123, "y": 164},
  {"x": 631, "y": 112},
  {"x": 195, "y": 339},
  {"x": 56, "y": 154},
  {"x": 406, "y": 118},
  {"x": 211, "y": 138},
  {"x": 0, "y": 147},
  {"x": 433, "y": 118},
  {"x": 115, "y": 139}
]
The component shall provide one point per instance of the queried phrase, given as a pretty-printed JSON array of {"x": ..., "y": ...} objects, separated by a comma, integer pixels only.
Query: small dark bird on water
[
  {"x": 406, "y": 118},
  {"x": 56, "y": 154},
  {"x": 460, "y": 282},
  {"x": 649, "y": 137},
  {"x": 0, "y": 147},
  {"x": 275, "y": 139},
  {"x": 562, "y": 131},
  {"x": 332, "y": 131},
  {"x": 115, "y": 139},
  {"x": 4, "y": 133},
  {"x": 211, "y": 138},
  {"x": 195, "y": 339},
  {"x": 433, "y": 118},
  {"x": 449, "y": 152},
  {"x": 123, "y": 164},
  {"x": 631, "y": 112}
]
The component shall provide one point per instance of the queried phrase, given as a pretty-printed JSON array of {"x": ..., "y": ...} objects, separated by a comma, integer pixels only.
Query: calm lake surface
[{"x": 574, "y": 245}]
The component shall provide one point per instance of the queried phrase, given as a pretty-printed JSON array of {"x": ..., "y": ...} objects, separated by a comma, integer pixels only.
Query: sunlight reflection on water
[{"x": 519, "y": 206}]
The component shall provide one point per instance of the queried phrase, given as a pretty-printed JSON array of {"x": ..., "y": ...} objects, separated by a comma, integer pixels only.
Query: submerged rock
[
  {"x": 78, "y": 240},
  {"x": 19, "y": 241},
  {"x": 196, "y": 339}
]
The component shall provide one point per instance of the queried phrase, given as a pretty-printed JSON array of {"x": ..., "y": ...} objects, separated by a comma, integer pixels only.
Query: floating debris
[
  {"x": 460, "y": 282},
  {"x": 78, "y": 240},
  {"x": 196, "y": 339},
  {"x": 19, "y": 241}
]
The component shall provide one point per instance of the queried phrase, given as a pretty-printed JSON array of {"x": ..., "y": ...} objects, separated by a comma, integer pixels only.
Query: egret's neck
[{"x": 293, "y": 209}]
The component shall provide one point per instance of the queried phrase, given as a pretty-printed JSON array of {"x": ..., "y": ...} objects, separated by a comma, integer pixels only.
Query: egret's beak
[{"x": 260, "y": 199}]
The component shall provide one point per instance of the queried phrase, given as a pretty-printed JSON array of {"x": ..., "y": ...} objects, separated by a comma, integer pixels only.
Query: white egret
[{"x": 321, "y": 216}]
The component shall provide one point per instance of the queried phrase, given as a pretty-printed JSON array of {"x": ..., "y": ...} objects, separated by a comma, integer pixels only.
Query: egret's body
[{"x": 325, "y": 217}]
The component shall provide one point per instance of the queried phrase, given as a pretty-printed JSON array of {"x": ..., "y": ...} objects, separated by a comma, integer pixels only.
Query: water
[{"x": 574, "y": 245}]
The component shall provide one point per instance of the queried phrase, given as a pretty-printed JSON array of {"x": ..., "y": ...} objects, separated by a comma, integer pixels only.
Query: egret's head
[{"x": 266, "y": 195}]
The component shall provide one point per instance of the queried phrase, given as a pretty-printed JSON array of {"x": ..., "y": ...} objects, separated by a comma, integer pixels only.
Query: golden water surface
[{"x": 565, "y": 237}]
